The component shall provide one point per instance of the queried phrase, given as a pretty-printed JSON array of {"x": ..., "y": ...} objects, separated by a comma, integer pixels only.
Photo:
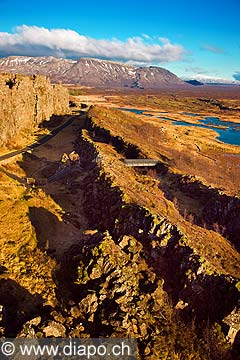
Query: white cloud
[
  {"x": 213, "y": 49},
  {"x": 39, "y": 41},
  {"x": 211, "y": 79},
  {"x": 163, "y": 40},
  {"x": 197, "y": 70},
  {"x": 146, "y": 36}
]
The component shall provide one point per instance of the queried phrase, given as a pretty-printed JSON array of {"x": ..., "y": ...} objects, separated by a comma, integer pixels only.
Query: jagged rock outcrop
[
  {"x": 26, "y": 101},
  {"x": 221, "y": 212},
  {"x": 112, "y": 207},
  {"x": 196, "y": 284},
  {"x": 116, "y": 293}
]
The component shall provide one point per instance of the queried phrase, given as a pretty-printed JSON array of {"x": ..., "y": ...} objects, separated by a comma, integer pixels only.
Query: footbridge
[{"x": 141, "y": 162}]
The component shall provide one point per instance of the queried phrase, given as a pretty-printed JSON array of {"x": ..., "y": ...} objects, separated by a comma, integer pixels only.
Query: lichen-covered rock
[
  {"x": 120, "y": 296},
  {"x": 29, "y": 328},
  {"x": 54, "y": 329}
]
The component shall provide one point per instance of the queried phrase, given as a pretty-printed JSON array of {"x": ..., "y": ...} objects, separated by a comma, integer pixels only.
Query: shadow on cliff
[
  {"x": 19, "y": 306},
  {"x": 55, "y": 120},
  {"x": 45, "y": 224},
  {"x": 53, "y": 237},
  {"x": 218, "y": 212},
  {"x": 198, "y": 203}
]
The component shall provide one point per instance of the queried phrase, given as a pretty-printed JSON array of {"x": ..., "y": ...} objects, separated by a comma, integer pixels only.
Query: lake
[{"x": 228, "y": 131}]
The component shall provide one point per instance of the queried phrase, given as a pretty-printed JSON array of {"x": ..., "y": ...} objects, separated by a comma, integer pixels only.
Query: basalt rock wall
[
  {"x": 187, "y": 277},
  {"x": 221, "y": 212},
  {"x": 26, "y": 101}
]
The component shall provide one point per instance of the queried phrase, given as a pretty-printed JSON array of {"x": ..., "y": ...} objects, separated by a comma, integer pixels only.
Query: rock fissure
[{"x": 164, "y": 245}]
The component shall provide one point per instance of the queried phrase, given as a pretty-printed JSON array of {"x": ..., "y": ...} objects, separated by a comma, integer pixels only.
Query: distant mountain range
[
  {"x": 210, "y": 80},
  {"x": 194, "y": 82},
  {"x": 92, "y": 72}
]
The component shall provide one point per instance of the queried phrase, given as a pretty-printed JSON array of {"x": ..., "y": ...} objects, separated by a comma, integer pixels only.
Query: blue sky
[{"x": 190, "y": 38}]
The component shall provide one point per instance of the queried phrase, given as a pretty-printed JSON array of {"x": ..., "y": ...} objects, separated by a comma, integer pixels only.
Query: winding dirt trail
[{"x": 53, "y": 234}]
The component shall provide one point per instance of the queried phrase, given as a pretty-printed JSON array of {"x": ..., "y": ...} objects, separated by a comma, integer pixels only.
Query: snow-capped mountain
[
  {"x": 91, "y": 72},
  {"x": 46, "y": 65}
]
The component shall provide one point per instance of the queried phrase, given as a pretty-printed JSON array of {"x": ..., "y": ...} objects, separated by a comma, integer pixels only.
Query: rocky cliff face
[
  {"x": 92, "y": 72},
  {"x": 26, "y": 101},
  {"x": 145, "y": 260}
]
